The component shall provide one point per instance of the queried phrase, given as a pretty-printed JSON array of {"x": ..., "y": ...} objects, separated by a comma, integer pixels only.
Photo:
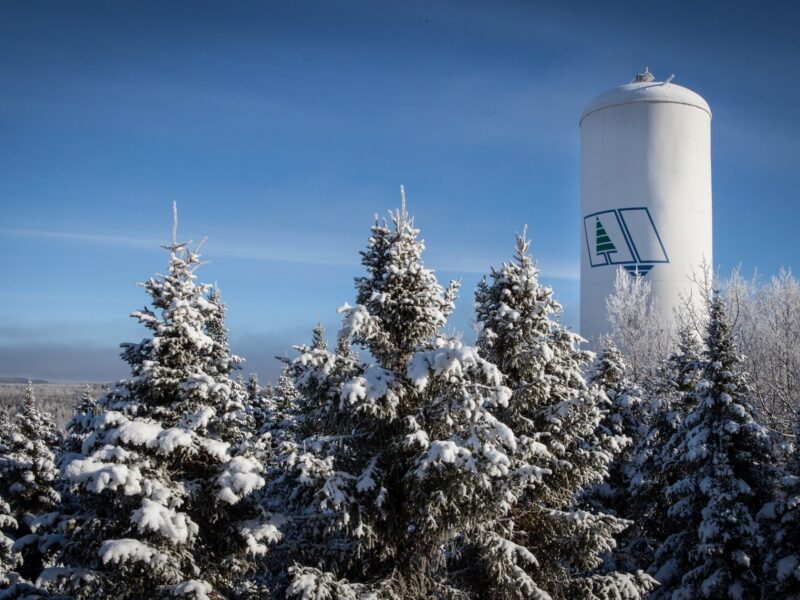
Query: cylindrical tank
[{"x": 645, "y": 193}]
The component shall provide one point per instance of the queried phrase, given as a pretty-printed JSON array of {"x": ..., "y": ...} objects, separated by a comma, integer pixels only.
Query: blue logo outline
[{"x": 633, "y": 265}]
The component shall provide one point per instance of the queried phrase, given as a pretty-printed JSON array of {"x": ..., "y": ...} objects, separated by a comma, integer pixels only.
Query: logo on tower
[{"x": 625, "y": 237}]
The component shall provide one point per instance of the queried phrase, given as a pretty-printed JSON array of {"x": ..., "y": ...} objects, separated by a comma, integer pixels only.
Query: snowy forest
[{"x": 393, "y": 460}]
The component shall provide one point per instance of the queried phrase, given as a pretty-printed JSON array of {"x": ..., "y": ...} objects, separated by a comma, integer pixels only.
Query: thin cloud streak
[
  {"x": 320, "y": 256},
  {"x": 112, "y": 240}
]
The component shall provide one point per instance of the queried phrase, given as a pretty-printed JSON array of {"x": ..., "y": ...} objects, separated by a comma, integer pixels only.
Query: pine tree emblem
[{"x": 603, "y": 244}]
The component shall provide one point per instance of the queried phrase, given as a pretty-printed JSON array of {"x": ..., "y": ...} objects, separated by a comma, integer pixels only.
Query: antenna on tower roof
[
  {"x": 669, "y": 79},
  {"x": 645, "y": 77}
]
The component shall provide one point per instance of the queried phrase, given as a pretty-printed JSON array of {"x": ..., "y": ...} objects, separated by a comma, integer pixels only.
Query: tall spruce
[
  {"x": 286, "y": 394},
  {"x": 727, "y": 468},
  {"x": 404, "y": 466},
  {"x": 624, "y": 420},
  {"x": 780, "y": 519},
  {"x": 318, "y": 337},
  {"x": 28, "y": 494},
  {"x": 253, "y": 388},
  {"x": 654, "y": 465},
  {"x": 163, "y": 482},
  {"x": 552, "y": 406}
]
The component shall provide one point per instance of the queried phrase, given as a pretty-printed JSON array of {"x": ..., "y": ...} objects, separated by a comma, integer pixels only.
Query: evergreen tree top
[
  {"x": 518, "y": 317},
  {"x": 318, "y": 337},
  {"x": 611, "y": 370},
  {"x": 401, "y": 305},
  {"x": 29, "y": 399}
]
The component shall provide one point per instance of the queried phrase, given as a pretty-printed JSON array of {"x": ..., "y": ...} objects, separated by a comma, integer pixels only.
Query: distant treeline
[{"x": 58, "y": 399}]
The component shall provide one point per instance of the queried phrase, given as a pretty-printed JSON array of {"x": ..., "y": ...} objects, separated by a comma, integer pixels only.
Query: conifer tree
[
  {"x": 259, "y": 408},
  {"x": 253, "y": 389},
  {"x": 654, "y": 468},
  {"x": 10, "y": 558},
  {"x": 318, "y": 337},
  {"x": 286, "y": 394},
  {"x": 727, "y": 472},
  {"x": 552, "y": 405},
  {"x": 624, "y": 413},
  {"x": 403, "y": 464},
  {"x": 164, "y": 487},
  {"x": 624, "y": 419},
  {"x": 235, "y": 423},
  {"x": 221, "y": 359},
  {"x": 780, "y": 520},
  {"x": 80, "y": 424},
  {"x": 28, "y": 475}
]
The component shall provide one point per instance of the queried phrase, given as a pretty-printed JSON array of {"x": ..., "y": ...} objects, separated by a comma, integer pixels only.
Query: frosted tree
[
  {"x": 164, "y": 484},
  {"x": 624, "y": 420},
  {"x": 404, "y": 465},
  {"x": 235, "y": 422},
  {"x": 781, "y": 522},
  {"x": 654, "y": 465},
  {"x": 767, "y": 324},
  {"x": 80, "y": 424},
  {"x": 259, "y": 406},
  {"x": 318, "y": 337},
  {"x": 552, "y": 405},
  {"x": 220, "y": 358},
  {"x": 253, "y": 389},
  {"x": 28, "y": 494},
  {"x": 286, "y": 394},
  {"x": 10, "y": 558},
  {"x": 625, "y": 414},
  {"x": 727, "y": 466},
  {"x": 636, "y": 328}
]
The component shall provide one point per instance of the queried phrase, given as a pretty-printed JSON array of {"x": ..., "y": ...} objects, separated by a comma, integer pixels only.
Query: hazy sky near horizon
[{"x": 280, "y": 128}]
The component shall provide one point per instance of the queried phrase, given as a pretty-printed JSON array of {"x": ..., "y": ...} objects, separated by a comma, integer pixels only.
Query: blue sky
[{"x": 280, "y": 128}]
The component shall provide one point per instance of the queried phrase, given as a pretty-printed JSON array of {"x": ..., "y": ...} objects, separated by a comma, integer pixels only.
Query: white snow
[
  {"x": 254, "y": 533},
  {"x": 127, "y": 550},
  {"x": 99, "y": 476},
  {"x": 194, "y": 587},
  {"x": 241, "y": 476},
  {"x": 177, "y": 528},
  {"x": 446, "y": 452},
  {"x": 449, "y": 361}
]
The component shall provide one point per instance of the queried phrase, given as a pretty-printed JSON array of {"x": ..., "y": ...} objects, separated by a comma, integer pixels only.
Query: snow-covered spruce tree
[
  {"x": 781, "y": 522},
  {"x": 286, "y": 394},
  {"x": 28, "y": 492},
  {"x": 236, "y": 422},
  {"x": 259, "y": 406},
  {"x": 624, "y": 419},
  {"x": 10, "y": 558},
  {"x": 728, "y": 469},
  {"x": 80, "y": 424},
  {"x": 164, "y": 492},
  {"x": 519, "y": 330},
  {"x": 653, "y": 464},
  {"x": 253, "y": 389},
  {"x": 404, "y": 464},
  {"x": 318, "y": 337},
  {"x": 221, "y": 360}
]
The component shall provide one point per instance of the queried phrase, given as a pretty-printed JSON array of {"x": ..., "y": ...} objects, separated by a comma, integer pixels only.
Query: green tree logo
[{"x": 603, "y": 245}]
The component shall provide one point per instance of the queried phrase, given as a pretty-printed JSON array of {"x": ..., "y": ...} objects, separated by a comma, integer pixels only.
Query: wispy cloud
[
  {"x": 333, "y": 253},
  {"x": 91, "y": 238},
  {"x": 315, "y": 256}
]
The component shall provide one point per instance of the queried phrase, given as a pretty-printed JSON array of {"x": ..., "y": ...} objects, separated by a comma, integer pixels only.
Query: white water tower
[{"x": 645, "y": 193}]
